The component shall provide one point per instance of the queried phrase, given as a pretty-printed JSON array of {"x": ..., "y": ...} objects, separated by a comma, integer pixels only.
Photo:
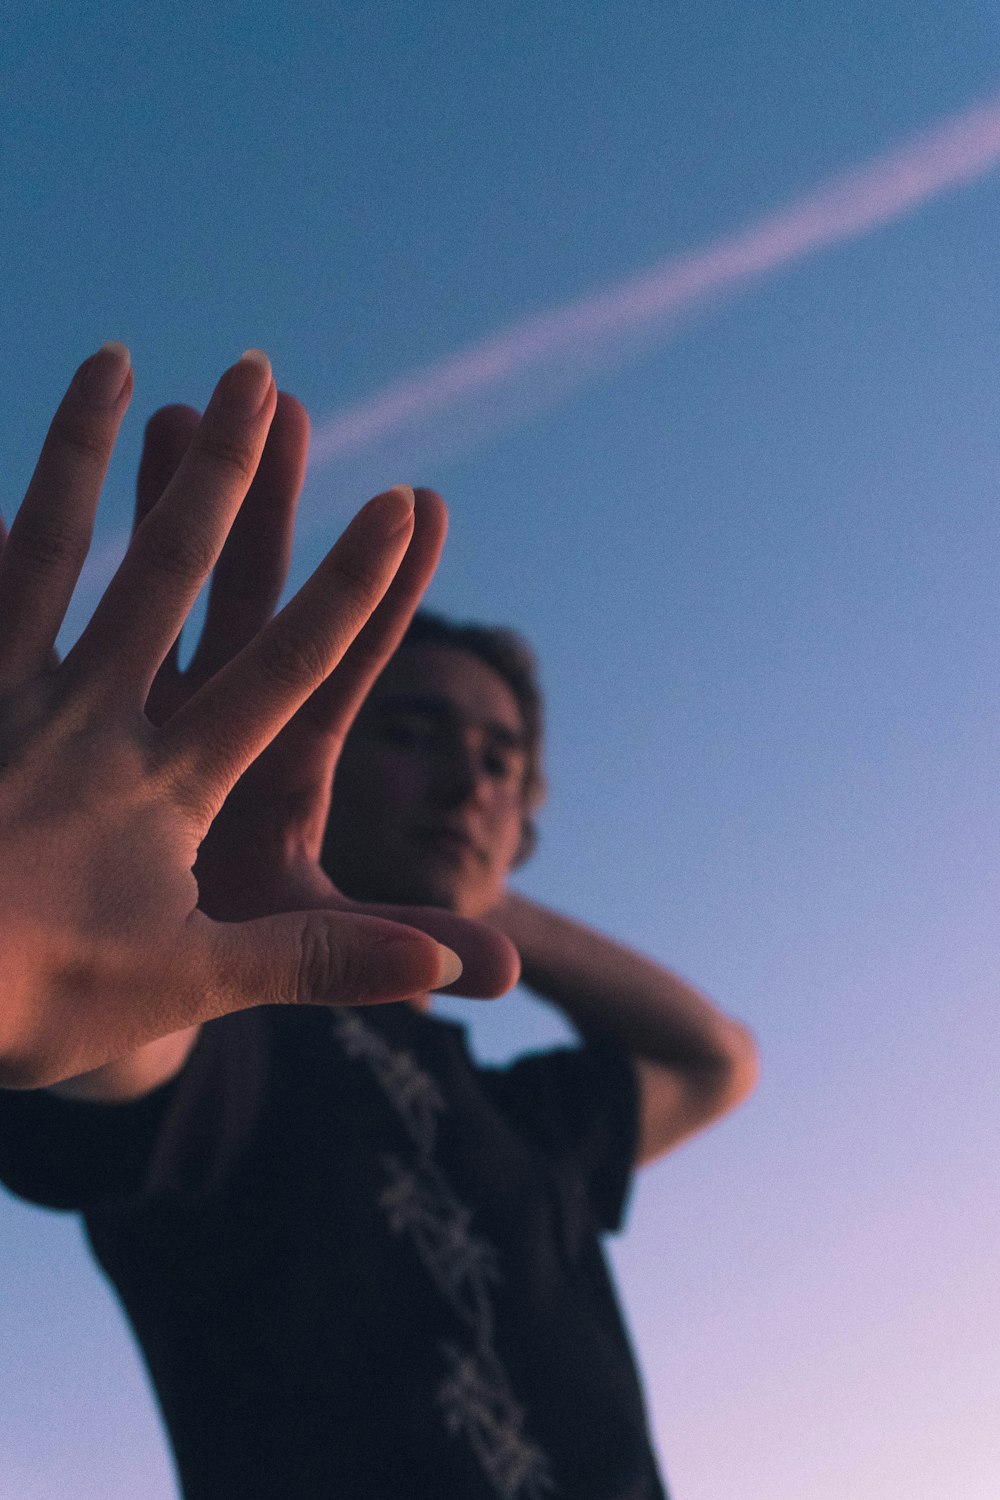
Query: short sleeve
[
  {"x": 74, "y": 1154},
  {"x": 64, "y": 1153},
  {"x": 579, "y": 1106}
]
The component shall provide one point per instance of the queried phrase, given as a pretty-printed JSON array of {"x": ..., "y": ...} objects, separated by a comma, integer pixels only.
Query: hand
[
  {"x": 103, "y": 945},
  {"x": 261, "y": 854}
]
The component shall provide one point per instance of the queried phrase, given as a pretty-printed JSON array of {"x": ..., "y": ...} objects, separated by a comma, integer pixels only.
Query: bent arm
[{"x": 693, "y": 1063}]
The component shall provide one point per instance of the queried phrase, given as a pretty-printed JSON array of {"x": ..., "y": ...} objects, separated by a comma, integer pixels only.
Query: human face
[{"x": 428, "y": 800}]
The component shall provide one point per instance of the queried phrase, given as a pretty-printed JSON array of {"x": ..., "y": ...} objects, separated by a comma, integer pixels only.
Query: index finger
[
  {"x": 208, "y": 744},
  {"x": 334, "y": 705}
]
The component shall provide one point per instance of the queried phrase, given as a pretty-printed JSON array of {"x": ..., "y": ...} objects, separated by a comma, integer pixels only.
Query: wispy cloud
[{"x": 500, "y": 378}]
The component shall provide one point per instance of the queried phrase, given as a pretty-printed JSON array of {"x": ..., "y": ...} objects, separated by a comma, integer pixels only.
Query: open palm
[
  {"x": 261, "y": 854},
  {"x": 111, "y": 787}
]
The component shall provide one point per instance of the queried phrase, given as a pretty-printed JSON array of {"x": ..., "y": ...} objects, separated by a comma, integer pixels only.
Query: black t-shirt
[{"x": 362, "y": 1266}]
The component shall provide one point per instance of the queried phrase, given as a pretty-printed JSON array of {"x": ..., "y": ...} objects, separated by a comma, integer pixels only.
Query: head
[{"x": 440, "y": 777}]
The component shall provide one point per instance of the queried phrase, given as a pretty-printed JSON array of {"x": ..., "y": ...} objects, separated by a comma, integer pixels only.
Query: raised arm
[
  {"x": 693, "y": 1062},
  {"x": 105, "y": 947}
]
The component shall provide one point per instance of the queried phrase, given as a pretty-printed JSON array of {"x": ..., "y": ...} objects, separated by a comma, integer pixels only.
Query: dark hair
[{"x": 508, "y": 654}]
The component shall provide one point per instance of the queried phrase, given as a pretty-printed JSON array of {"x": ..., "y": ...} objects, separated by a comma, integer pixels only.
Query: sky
[{"x": 751, "y": 533}]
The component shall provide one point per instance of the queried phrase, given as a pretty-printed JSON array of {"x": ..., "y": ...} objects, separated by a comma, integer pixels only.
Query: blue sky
[{"x": 758, "y": 561}]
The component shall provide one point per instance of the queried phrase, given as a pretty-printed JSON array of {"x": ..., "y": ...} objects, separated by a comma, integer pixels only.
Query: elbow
[
  {"x": 679, "y": 1101},
  {"x": 724, "y": 1076}
]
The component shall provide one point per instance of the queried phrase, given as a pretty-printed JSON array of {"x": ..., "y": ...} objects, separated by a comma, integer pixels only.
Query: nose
[{"x": 460, "y": 772}]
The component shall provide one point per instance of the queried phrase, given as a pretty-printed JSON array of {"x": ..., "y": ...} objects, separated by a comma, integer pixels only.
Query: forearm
[
  {"x": 598, "y": 981},
  {"x": 693, "y": 1062}
]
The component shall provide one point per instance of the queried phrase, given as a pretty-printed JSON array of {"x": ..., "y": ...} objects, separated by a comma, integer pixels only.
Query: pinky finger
[{"x": 50, "y": 534}]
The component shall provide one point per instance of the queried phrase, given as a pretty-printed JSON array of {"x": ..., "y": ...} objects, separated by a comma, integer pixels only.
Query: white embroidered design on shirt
[
  {"x": 412, "y": 1092},
  {"x": 461, "y": 1263},
  {"x": 477, "y": 1401},
  {"x": 475, "y": 1395}
]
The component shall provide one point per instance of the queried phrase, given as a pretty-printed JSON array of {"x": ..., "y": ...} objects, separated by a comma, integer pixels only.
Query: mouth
[{"x": 450, "y": 842}]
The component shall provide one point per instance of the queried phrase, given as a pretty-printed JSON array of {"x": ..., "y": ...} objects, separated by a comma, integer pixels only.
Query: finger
[
  {"x": 167, "y": 438},
  {"x": 251, "y": 571},
  {"x": 302, "y": 958},
  {"x": 52, "y": 658},
  {"x": 317, "y": 957},
  {"x": 176, "y": 546},
  {"x": 211, "y": 740},
  {"x": 51, "y": 532},
  {"x": 491, "y": 964},
  {"x": 333, "y": 706}
]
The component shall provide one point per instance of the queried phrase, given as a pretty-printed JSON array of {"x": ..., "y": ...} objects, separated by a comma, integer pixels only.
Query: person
[{"x": 359, "y": 1263}]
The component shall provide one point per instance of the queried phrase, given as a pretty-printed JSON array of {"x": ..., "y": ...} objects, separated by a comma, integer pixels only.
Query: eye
[
  {"x": 408, "y": 731},
  {"x": 503, "y": 764}
]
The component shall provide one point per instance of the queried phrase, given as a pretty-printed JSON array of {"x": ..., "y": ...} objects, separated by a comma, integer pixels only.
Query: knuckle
[
  {"x": 84, "y": 437},
  {"x": 186, "y": 554},
  {"x": 362, "y": 582},
  {"x": 291, "y": 657},
  {"x": 235, "y": 457},
  {"x": 49, "y": 545},
  {"x": 324, "y": 969}
]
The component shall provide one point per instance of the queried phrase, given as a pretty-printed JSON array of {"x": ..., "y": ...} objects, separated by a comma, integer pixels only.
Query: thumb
[{"x": 320, "y": 958}]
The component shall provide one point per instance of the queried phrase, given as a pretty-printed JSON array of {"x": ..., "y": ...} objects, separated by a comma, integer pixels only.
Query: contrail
[
  {"x": 591, "y": 331},
  {"x": 458, "y": 400}
]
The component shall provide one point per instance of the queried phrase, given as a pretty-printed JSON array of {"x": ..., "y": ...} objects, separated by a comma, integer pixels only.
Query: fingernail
[
  {"x": 256, "y": 357},
  {"x": 258, "y": 374},
  {"x": 395, "y": 506},
  {"x": 104, "y": 374},
  {"x": 405, "y": 493},
  {"x": 449, "y": 967}
]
